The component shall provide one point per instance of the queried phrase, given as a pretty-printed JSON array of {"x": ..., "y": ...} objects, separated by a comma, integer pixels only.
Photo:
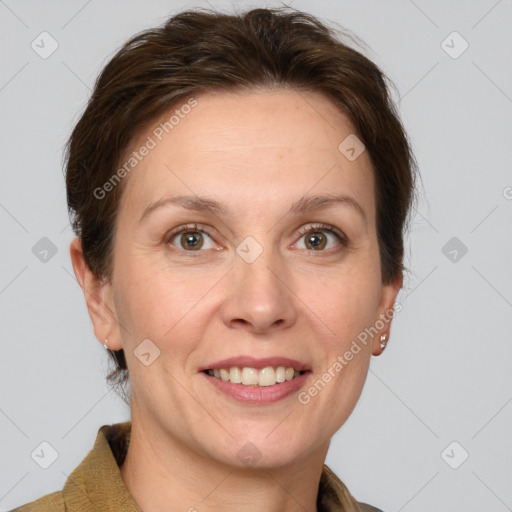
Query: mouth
[
  {"x": 257, "y": 386},
  {"x": 249, "y": 376},
  {"x": 257, "y": 381}
]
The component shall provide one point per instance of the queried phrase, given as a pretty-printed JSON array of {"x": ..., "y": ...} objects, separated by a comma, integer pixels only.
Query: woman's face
[{"x": 243, "y": 280}]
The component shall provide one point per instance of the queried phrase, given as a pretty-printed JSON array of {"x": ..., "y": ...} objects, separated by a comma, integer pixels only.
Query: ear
[
  {"x": 98, "y": 297},
  {"x": 385, "y": 312}
]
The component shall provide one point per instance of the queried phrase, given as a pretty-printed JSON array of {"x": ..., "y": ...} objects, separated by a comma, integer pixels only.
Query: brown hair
[{"x": 200, "y": 50}]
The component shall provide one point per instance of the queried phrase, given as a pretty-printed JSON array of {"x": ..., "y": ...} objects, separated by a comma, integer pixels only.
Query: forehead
[{"x": 245, "y": 145}]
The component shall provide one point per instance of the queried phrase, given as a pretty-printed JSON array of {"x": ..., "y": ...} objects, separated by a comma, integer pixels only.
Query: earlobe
[
  {"x": 386, "y": 313},
  {"x": 98, "y": 297}
]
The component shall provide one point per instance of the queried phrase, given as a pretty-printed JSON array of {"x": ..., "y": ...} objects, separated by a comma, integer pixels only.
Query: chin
[{"x": 263, "y": 449}]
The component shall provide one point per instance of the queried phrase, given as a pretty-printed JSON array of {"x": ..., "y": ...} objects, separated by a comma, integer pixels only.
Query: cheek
[
  {"x": 158, "y": 302},
  {"x": 345, "y": 305}
]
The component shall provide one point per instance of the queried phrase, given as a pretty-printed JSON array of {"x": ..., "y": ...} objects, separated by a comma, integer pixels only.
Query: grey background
[{"x": 446, "y": 374}]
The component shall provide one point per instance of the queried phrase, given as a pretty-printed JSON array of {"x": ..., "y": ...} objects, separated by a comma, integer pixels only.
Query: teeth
[
  {"x": 267, "y": 376},
  {"x": 235, "y": 375},
  {"x": 247, "y": 376}
]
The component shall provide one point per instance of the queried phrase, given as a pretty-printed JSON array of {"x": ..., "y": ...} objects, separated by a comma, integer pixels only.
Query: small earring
[
  {"x": 106, "y": 341},
  {"x": 383, "y": 341}
]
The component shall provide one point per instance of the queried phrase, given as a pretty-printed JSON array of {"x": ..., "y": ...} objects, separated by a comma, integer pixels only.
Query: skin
[{"x": 257, "y": 153}]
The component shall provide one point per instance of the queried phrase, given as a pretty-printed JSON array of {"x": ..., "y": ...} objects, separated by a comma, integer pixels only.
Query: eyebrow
[{"x": 305, "y": 204}]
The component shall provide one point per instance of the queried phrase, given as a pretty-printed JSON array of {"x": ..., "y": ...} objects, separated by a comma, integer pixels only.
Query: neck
[{"x": 159, "y": 471}]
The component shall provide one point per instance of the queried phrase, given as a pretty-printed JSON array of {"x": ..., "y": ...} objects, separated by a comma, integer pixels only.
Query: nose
[{"x": 260, "y": 298}]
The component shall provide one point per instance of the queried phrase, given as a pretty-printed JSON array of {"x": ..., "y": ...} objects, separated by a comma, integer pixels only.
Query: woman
[{"x": 239, "y": 186}]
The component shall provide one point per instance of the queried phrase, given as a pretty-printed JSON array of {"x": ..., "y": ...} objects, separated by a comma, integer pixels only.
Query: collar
[{"x": 97, "y": 484}]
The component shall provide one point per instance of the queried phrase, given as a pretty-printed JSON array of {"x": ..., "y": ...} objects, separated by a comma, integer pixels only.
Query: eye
[
  {"x": 191, "y": 237},
  {"x": 319, "y": 236}
]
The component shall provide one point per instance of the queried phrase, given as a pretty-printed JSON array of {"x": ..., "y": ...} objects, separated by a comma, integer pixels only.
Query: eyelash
[{"x": 312, "y": 228}]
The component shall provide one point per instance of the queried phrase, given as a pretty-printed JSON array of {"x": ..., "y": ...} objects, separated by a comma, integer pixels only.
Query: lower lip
[{"x": 259, "y": 395}]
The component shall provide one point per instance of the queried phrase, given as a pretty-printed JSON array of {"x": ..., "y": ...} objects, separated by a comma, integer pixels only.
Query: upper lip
[{"x": 251, "y": 362}]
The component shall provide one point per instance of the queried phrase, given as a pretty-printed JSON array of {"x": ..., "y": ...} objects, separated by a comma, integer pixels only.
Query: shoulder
[
  {"x": 368, "y": 508},
  {"x": 50, "y": 503}
]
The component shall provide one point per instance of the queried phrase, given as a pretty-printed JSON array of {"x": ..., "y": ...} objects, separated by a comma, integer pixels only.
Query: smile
[
  {"x": 257, "y": 387},
  {"x": 247, "y": 376}
]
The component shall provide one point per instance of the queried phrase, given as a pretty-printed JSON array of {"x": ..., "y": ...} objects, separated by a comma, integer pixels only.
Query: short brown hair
[{"x": 200, "y": 50}]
